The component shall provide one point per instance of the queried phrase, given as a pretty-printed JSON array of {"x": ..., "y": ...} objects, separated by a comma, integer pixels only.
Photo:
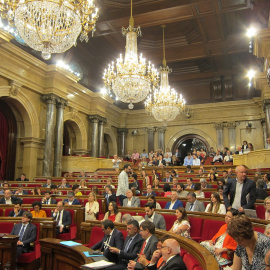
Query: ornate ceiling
[{"x": 206, "y": 46}]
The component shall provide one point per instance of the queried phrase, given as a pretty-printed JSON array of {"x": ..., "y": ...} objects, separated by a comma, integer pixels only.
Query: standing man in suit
[
  {"x": 62, "y": 217},
  {"x": 156, "y": 218},
  {"x": 22, "y": 178},
  {"x": 239, "y": 188},
  {"x": 17, "y": 212},
  {"x": 132, "y": 246},
  {"x": 193, "y": 204},
  {"x": 170, "y": 252},
  {"x": 8, "y": 199},
  {"x": 47, "y": 199},
  {"x": 149, "y": 191},
  {"x": 174, "y": 203},
  {"x": 71, "y": 200},
  {"x": 130, "y": 200},
  {"x": 167, "y": 178},
  {"x": 122, "y": 186},
  {"x": 147, "y": 231},
  {"x": 112, "y": 238},
  {"x": 27, "y": 233},
  {"x": 109, "y": 195}
]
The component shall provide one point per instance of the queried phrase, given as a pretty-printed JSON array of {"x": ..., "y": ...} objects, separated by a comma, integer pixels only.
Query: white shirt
[
  {"x": 196, "y": 162},
  {"x": 122, "y": 184},
  {"x": 8, "y": 201},
  {"x": 172, "y": 204},
  {"x": 238, "y": 193},
  {"x": 129, "y": 203},
  {"x": 152, "y": 218},
  {"x": 221, "y": 210},
  {"x": 61, "y": 217}
]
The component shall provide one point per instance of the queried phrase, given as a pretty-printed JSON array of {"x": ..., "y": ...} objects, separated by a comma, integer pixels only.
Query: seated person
[
  {"x": 204, "y": 184},
  {"x": 95, "y": 178},
  {"x": 126, "y": 218},
  {"x": 76, "y": 190},
  {"x": 116, "y": 160},
  {"x": 144, "y": 162},
  {"x": 174, "y": 183},
  {"x": 212, "y": 153},
  {"x": 113, "y": 213},
  {"x": 109, "y": 195},
  {"x": 27, "y": 233},
  {"x": 62, "y": 217},
  {"x": 109, "y": 182},
  {"x": 180, "y": 188},
  {"x": 188, "y": 160},
  {"x": 198, "y": 190},
  {"x": 130, "y": 200},
  {"x": 37, "y": 212},
  {"x": 64, "y": 184},
  {"x": 193, "y": 204},
  {"x": 220, "y": 190},
  {"x": 152, "y": 199},
  {"x": 261, "y": 193},
  {"x": 267, "y": 230},
  {"x": 174, "y": 203},
  {"x": 69, "y": 174},
  {"x": 267, "y": 208},
  {"x": 17, "y": 212},
  {"x": 48, "y": 183},
  {"x": 82, "y": 174},
  {"x": 156, "y": 184},
  {"x": 228, "y": 157},
  {"x": 167, "y": 178},
  {"x": 217, "y": 158},
  {"x": 159, "y": 162},
  {"x": 181, "y": 226},
  {"x": 154, "y": 217},
  {"x": 221, "y": 243},
  {"x": 135, "y": 156},
  {"x": 201, "y": 174},
  {"x": 8, "y": 199},
  {"x": 149, "y": 191},
  {"x": 167, "y": 160},
  {"x": 20, "y": 190},
  {"x": 71, "y": 200},
  {"x": 91, "y": 207},
  {"x": 188, "y": 169},
  {"x": 190, "y": 184},
  {"x": 196, "y": 161},
  {"x": 239, "y": 151},
  {"x": 5, "y": 187},
  {"x": 167, "y": 190},
  {"x": 47, "y": 198},
  {"x": 82, "y": 184},
  {"x": 112, "y": 238},
  {"x": 36, "y": 191},
  {"x": 22, "y": 178},
  {"x": 54, "y": 191},
  {"x": 134, "y": 185},
  {"x": 215, "y": 206}
]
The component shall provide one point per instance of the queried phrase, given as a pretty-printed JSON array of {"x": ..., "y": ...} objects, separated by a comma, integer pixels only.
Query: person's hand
[
  {"x": 16, "y": 193},
  {"x": 16, "y": 211},
  {"x": 155, "y": 257},
  {"x": 61, "y": 229},
  {"x": 19, "y": 243},
  {"x": 211, "y": 242},
  {"x": 66, "y": 203},
  {"x": 241, "y": 209},
  {"x": 218, "y": 251},
  {"x": 142, "y": 260},
  {"x": 114, "y": 250},
  {"x": 55, "y": 210},
  {"x": 131, "y": 265}
]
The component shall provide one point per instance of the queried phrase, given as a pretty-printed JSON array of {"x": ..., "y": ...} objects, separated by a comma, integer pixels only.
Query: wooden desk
[
  {"x": 55, "y": 256},
  {"x": 8, "y": 250}
]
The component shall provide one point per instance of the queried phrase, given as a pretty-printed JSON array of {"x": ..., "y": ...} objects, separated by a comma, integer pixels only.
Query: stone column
[
  {"x": 94, "y": 148},
  {"x": 161, "y": 137},
  {"x": 59, "y": 129},
  {"x": 219, "y": 127},
  {"x": 267, "y": 114},
  {"x": 231, "y": 132},
  {"x": 263, "y": 122},
  {"x": 151, "y": 133},
  {"x": 101, "y": 136},
  {"x": 49, "y": 134},
  {"x": 122, "y": 146}
]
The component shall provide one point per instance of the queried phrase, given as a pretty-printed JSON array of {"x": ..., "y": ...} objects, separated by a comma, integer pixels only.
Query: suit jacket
[
  {"x": 159, "y": 221},
  {"x": 249, "y": 187},
  {"x": 67, "y": 186},
  {"x": 66, "y": 218},
  {"x": 51, "y": 201},
  {"x": 135, "y": 202},
  {"x": 25, "y": 192},
  {"x": 112, "y": 198},
  {"x": 152, "y": 193},
  {"x": 192, "y": 186},
  {"x": 29, "y": 235},
  {"x": 19, "y": 179},
  {"x": 176, "y": 263},
  {"x": 148, "y": 250},
  {"x": 75, "y": 201},
  {"x": 176, "y": 204},
  {"x": 116, "y": 240},
  {"x": 47, "y": 186},
  {"x": 261, "y": 194},
  {"x": 11, "y": 213},
  {"x": 165, "y": 179},
  {"x": 13, "y": 199},
  {"x": 198, "y": 207},
  {"x": 209, "y": 186}
]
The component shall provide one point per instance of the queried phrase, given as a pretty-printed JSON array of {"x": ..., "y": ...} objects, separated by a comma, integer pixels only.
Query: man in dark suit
[
  {"x": 168, "y": 177},
  {"x": 71, "y": 200},
  {"x": 27, "y": 233},
  {"x": 8, "y": 199},
  {"x": 147, "y": 231},
  {"x": 154, "y": 217},
  {"x": 20, "y": 191},
  {"x": 130, "y": 200},
  {"x": 62, "y": 217},
  {"x": 22, "y": 178},
  {"x": 204, "y": 184},
  {"x": 149, "y": 191},
  {"x": 174, "y": 203},
  {"x": 47, "y": 199},
  {"x": 170, "y": 251},
  {"x": 109, "y": 195},
  {"x": 132, "y": 246},
  {"x": 64, "y": 184},
  {"x": 112, "y": 238},
  {"x": 17, "y": 212},
  {"x": 239, "y": 188},
  {"x": 48, "y": 183}
]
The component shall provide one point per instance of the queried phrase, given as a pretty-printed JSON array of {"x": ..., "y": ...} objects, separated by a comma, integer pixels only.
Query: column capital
[
  {"x": 61, "y": 103},
  {"x": 161, "y": 129},
  {"x": 50, "y": 98},
  {"x": 96, "y": 117},
  {"x": 231, "y": 125},
  {"x": 219, "y": 125},
  {"x": 151, "y": 129},
  {"x": 122, "y": 130},
  {"x": 266, "y": 103}
]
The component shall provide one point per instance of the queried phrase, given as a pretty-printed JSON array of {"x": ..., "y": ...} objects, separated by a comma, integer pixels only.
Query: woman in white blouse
[
  {"x": 215, "y": 206},
  {"x": 91, "y": 207},
  {"x": 83, "y": 184}
]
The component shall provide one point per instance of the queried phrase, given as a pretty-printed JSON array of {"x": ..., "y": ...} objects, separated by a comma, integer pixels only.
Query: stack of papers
[
  {"x": 97, "y": 265},
  {"x": 70, "y": 243}
]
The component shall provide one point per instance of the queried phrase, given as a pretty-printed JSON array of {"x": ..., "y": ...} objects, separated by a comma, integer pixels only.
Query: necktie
[
  {"x": 58, "y": 218},
  {"x": 141, "y": 252},
  {"x": 107, "y": 242},
  {"x": 128, "y": 244},
  {"x": 107, "y": 198},
  {"x": 47, "y": 202},
  {"x": 21, "y": 233},
  {"x": 190, "y": 207}
]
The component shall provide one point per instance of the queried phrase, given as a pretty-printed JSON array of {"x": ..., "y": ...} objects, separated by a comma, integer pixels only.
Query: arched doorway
[
  {"x": 188, "y": 143},
  {"x": 69, "y": 137}
]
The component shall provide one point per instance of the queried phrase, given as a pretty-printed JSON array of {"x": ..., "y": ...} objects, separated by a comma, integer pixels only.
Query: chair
[
  {"x": 72, "y": 229},
  {"x": 190, "y": 262}
]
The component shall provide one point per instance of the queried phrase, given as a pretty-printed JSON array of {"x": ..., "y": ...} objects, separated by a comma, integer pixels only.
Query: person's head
[
  {"x": 75, "y": 188},
  {"x": 241, "y": 230},
  {"x": 7, "y": 194},
  {"x": 225, "y": 173},
  {"x": 134, "y": 177},
  {"x": 129, "y": 194},
  {"x": 17, "y": 205},
  {"x": 127, "y": 167},
  {"x": 260, "y": 183},
  {"x": 60, "y": 206},
  {"x": 175, "y": 181},
  {"x": 36, "y": 206},
  {"x": 149, "y": 209},
  {"x": 213, "y": 177},
  {"x": 167, "y": 187},
  {"x": 215, "y": 198},
  {"x": 64, "y": 181},
  {"x": 95, "y": 176},
  {"x": 54, "y": 188},
  {"x": 267, "y": 230},
  {"x": 49, "y": 181},
  {"x": 37, "y": 190},
  {"x": 70, "y": 196},
  {"x": 133, "y": 227},
  {"x": 191, "y": 197},
  {"x": 23, "y": 176},
  {"x": 95, "y": 189},
  {"x": 241, "y": 173},
  {"x": 203, "y": 182},
  {"x": 156, "y": 182},
  {"x": 108, "y": 189},
  {"x": 221, "y": 182},
  {"x": 188, "y": 168},
  {"x": 174, "y": 196},
  {"x": 267, "y": 203},
  {"x": 151, "y": 199},
  {"x": 83, "y": 183},
  {"x": 82, "y": 172},
  {"x": 189, "y": 181},
  {"x": 115, "y": 156},
  {"x": 107, "y": 226},
  {"x": 113, "y": 208},
  {"x": 181, "y": 214},
  {"x": 92, "y": 197},
  {"x": 147, "y": 228},
  {"x": 200, "y": 171},
  {"x": 126, "y": 218},
  {"x": 197, "y": 186},
  {"x": 47, "y": 195},
  {"x": 26, "y": 217},
  {"x": 20, "y": 188},
  {"x": 5, "y": 186},
  {"x": 230, "y": 214},
  {"x": 220, "y": 190},
  {"x": 169, "y": 248},
  {"x": 180, "y": 187},
  {"x": 267, "y": 260},
  {"x": 149, "y": 189},
  {"x": 167, "y": 174}
]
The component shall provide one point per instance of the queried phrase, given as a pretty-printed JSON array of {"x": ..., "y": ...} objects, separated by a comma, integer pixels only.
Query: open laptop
[{"x": 251, "y": 213}]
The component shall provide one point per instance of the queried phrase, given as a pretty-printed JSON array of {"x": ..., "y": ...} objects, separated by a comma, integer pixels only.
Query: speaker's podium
[
  {"x": 8, "y": 250},
  {"x": 55, "y": 256}
]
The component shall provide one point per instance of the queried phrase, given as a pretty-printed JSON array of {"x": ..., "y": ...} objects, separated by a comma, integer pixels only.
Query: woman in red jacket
[{"x": 222, "y": 242}]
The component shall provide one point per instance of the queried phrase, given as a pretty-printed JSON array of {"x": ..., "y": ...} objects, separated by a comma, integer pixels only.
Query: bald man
[
  {"x": 8, "y": 199},
  {"x": 170, "y": 252}
]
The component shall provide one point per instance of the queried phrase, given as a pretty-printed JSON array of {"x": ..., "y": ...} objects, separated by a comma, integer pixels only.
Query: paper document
[{"x": 97, "y": 265}]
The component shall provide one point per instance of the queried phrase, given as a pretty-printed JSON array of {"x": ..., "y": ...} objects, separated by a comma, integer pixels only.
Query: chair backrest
[
  {"x": 7, "y": 211},
  {"x": 96, "y": 236},
  {"x": 190, "y": 261},
  {"x": 196, "y": 225},
  {"x": 6, "y": 227},
  {"x": 260, "y": 210},
  {"x": 210, "y": 228}
]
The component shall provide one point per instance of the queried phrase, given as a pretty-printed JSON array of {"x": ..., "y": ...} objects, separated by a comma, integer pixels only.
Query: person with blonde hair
[
  {"x": 91, "y": 207},
  {"x": 267, "y": 208}
]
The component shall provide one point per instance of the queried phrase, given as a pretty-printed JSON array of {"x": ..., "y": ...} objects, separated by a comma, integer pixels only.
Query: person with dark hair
[
  {"x": 62, "y": 217},
  {"x": 37, "y": 191},
  {"x": 181, "y": 226},
  {"x": 48, "y": 183},
  {"x": 131, "y": 248},
  {"x": 71, "y": 200},
  {"x": 27, "y": 233},
  {"x": 190, "y": 184},
  {"x": 193, "y": 204},
  {"x": 64, "y": 183},
  {"x": 252, "y": 246},
  {"x": 167, "y": 190},
  {"x": 37, "y": 212},
  {"x": 122, "y": 186},
  {"x": 152, "y": 199},
  {"x": 222, "y": 242},
  {"x": 17, "y": 212},
  {"x": 149, "y": 191},
  {"x": 167, "y": 178},
  {"x": 20, "y": 190},
  {"x": 112, "y": 238},
  {"x": 47, "y": 199},
  {"x": 188, "y": 160},
  {"x": 76, "y": 190},
  {"x": 198, "y": 190},
  {"x": 266, "y": 179},
  {"x": 154, "y": 217},
  {"x": 221, "y": 182},
  {"x": 220, "y": 191},
  {"x": 215, "y": 206},
  {"x": 113, "y": 214},
  {"x": 54, "y": 190},
  {"x": 174, "y": 203},
  {"x": 22, "y": 178},
  {"x": 109, "y": 195},
  {"x": 180, "y": 188},
  {"x": 261, "y": 193},
  {"x": 135, "y": 184},
  {"x": 188, "y": 169}
]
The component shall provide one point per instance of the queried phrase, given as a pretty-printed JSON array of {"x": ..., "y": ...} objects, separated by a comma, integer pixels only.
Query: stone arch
[{"x": 112, "y": 141}]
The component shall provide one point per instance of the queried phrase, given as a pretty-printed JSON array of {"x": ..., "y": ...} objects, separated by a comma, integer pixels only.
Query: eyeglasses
[
  {"x": 164, "y": 247},
  {"x": 267, "y": 203}
]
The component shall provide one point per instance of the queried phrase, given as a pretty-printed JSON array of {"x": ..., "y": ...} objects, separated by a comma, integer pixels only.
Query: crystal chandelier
[
  {"x": 50, "y": 26},
  {"x": 164, "y": 104},
  {"x": 131, "y": 79}
]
